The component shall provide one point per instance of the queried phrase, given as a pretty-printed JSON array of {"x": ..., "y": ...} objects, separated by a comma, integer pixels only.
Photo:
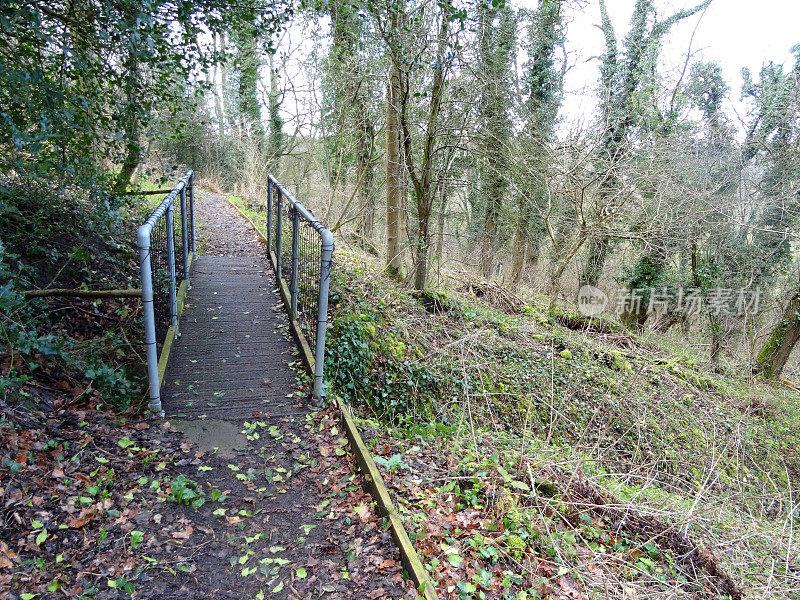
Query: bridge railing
[
  {"x": 166, "y": 242},
  {"x": 301, "y": 249}
]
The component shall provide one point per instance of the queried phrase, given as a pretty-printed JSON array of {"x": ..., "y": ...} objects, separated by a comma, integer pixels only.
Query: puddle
[{"x": 208, "y": 434}]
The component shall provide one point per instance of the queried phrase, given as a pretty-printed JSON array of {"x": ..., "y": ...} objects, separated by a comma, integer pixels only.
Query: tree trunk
[
  {"x": 421, "y": 254},
  {"x": 489, "y": 235},
  {"x": 494, "y": 62},
  {"x": 593, "y": 270},
  {"x": 776, "y": 350},
  {"x": 366, "y": 173},
  {"x": 219, "y": 47},
  {"x": 394, "y": 193},
  {"x": 275, "y": 142},
  {"x": 422, "y": 177},
  {"x": 248, "y": 61},
  {"x": 520, "y": 247},
  {"x": 133, "y": 146}
]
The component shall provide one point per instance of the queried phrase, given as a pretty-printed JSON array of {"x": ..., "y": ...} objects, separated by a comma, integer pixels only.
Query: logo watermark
[{"x": 591, "y": 300}]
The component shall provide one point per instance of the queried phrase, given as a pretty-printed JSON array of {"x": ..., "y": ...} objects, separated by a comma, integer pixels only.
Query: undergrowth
[
  {"x": 81, "y": 349},
  {"x": 518, "y": 398}
]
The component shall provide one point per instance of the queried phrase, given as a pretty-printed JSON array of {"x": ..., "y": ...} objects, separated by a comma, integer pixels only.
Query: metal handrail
[
  {"x": 298, "y": 215},
  {"x": 144, "y": 240}
]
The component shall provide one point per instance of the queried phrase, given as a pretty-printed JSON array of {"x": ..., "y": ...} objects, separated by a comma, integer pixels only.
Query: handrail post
[
  {"x": 193, "y": 247},
  {"x": 143, "y": 241},
  {"x": 278, "y": 235},
  {"x": 269, "y": 214},
  {"x": 173, "y": 293},
  {"x": 185, "y": 236},
  {"x": 322, "y": 314},
  {"x": 295, "y": 262}
]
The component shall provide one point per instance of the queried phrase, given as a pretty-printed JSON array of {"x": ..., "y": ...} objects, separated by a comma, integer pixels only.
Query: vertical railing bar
[
  {"x": 185, "y": 236},
  {"x": 269, "y": 214},
  {"x": 278, "y": 236},
  {"x": 295, "y": 262},
  {"x": 191, "y": 209},
  {"x": 173, "y": 292},
  {"x": 143, "y": 241},
  {"x": 326, "y": 242}
]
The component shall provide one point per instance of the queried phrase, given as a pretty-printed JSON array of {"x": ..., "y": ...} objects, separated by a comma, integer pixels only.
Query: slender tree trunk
[
  {"x": 394, "y": 194},
  {"x": 425, "y": 184},
  {"x": 219, "y": 47},
  {"x": 489, "y": 238}
]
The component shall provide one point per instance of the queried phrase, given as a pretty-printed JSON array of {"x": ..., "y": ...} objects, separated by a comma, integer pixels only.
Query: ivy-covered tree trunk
[
  {"x": 248, "y": 61},
  {"x": 132, "y": 155},
  {"x": 275, "y": 140},
  {"x": 543, "y": 85},
  {"x": 496, "y": 42},
  {"x": 365, "y": 149},
  {"x": 596, "y": 257},
  {"x": 781, "y": 341}
]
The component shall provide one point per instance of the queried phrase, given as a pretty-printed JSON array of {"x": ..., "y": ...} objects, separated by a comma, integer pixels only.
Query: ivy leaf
[{"x": 41, "y": 537}]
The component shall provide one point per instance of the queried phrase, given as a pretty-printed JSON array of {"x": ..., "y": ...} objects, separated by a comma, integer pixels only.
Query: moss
[
  {"x": 621, "y": 364},
  {"x": 515, "y": 546}
]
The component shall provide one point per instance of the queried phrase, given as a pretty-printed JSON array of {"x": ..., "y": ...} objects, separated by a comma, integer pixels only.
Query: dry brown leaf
[
  {"x": 363, "y": 512},
  {"x": 183, "y": 535}
]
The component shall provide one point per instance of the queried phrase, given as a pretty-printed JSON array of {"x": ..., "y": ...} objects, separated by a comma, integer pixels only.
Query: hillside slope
[{"x": 534, "y": 455}]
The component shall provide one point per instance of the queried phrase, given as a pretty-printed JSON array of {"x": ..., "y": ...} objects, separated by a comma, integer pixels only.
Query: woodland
[{"x": 569, "y": 340}]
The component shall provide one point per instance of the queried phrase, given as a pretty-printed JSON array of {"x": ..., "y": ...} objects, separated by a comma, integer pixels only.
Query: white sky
[{"x": 734, "y": 33}]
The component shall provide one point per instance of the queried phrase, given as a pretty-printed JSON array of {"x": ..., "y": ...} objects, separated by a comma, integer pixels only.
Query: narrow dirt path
[{"x": 283, "y": 511}]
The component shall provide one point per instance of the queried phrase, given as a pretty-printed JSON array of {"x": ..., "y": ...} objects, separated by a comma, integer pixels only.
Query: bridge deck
[
  {"x": 291, "y": 493},
  {"x": 233, "y": 356}
]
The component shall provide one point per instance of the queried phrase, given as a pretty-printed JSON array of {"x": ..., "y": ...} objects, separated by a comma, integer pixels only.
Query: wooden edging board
[
  {"x": 163, "y": 358},
  {"x": 372, "y": 477}
]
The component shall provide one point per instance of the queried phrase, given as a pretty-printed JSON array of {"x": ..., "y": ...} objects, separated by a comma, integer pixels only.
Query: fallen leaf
[
  {"x": 363, "y": 512},
  {"x": 183, "y": 535}
]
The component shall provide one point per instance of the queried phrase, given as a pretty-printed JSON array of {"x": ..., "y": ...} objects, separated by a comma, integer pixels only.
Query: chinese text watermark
[{"x": 689, "y": 301}]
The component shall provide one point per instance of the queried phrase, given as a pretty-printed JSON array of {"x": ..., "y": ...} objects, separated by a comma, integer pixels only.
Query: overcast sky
[{"x": 734, "y": 33}]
